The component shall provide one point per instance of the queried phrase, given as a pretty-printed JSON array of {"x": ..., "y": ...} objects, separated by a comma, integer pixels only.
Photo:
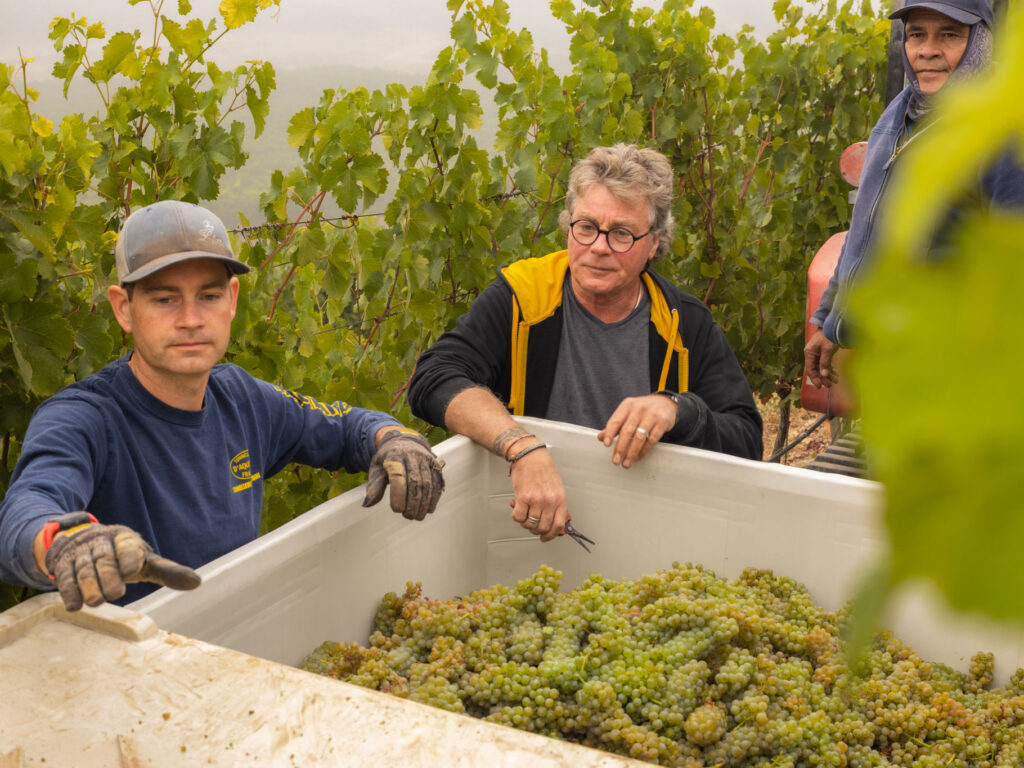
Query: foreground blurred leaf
[
  {"x": 939, "y": 367},
  {"x": 940, "y": 385}
]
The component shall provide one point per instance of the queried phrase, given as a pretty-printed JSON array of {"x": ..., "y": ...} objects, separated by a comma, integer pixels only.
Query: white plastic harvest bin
[
  {"x": 106, "y": 687},
  {"x": 207, "y": 677},
  {"x": 320, "y": 577}
]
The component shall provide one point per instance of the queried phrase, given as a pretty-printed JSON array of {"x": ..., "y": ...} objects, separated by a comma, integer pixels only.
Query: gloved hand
[
  {"x": 91, "y": 563},
  {"x": 404, "y": 460}
]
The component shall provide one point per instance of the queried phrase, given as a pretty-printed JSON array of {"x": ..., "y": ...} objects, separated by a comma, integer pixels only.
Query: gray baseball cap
[
  {"x": 169, "y": 232},
  {"x": 964, "y": 11}
]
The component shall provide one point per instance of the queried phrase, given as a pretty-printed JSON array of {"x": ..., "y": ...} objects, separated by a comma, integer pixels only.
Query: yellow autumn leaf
[
  {"x": 42, "y": 127},
  {"x": 237, "y": 12}
]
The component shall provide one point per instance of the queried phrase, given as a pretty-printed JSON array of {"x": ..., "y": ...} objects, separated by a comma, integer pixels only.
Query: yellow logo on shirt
[
  {"x": 241, "y": 468},
  {"x": 337, "y": 409}
]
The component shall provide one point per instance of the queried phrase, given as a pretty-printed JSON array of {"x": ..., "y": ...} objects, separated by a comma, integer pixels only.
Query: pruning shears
[{"x": 578, "y": 537}]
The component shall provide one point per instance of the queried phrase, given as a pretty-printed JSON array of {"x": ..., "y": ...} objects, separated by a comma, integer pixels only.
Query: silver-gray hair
[{"x": 630, "y": 173}]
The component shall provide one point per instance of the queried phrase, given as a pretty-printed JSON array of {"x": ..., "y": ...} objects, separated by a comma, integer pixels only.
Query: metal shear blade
[{"x": 578, "y": 537}]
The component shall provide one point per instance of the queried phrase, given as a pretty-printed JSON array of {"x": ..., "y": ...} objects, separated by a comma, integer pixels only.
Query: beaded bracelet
[{"x": 523, "y": 452}]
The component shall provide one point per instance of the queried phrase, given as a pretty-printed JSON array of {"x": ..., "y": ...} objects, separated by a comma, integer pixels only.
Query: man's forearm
[{"x": 480, "y": 416}]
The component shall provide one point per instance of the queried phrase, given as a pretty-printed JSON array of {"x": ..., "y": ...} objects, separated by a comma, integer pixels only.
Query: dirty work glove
[
  {"x": 404, "y": 460},
  {"x": 91, "y": 563}
]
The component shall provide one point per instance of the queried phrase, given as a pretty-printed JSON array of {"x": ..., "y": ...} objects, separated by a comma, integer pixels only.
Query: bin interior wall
[{"x": 321, "y": 576}]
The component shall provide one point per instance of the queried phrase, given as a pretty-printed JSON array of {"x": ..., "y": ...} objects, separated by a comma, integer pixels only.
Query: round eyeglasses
[{"x": 620, "y": 239}]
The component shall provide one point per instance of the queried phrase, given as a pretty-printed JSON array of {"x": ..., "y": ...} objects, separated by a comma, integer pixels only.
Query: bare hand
[
  {"x": 538, "y": 502},
  {"x": 637, "y": 424},
  {"x": 818, "y": 360}
]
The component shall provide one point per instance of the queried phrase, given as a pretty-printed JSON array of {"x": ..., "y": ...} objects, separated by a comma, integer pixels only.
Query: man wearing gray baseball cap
[
  {"x": 944, "y": 41},
  {"x": 155, "y": 465}
]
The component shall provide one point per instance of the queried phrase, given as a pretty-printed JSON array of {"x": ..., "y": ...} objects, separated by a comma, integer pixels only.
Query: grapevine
[{"x": 683, "y": 668}]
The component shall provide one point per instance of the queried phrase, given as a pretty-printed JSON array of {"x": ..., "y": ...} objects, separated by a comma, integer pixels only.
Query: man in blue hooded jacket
[{"x": 944, "y": 41}]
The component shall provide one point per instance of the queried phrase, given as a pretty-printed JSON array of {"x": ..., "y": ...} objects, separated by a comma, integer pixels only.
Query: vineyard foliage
[{"x": 341, "y": 309}]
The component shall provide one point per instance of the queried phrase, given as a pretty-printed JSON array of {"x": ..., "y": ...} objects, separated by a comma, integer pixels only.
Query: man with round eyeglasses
[{"x": 590, "y": 335}]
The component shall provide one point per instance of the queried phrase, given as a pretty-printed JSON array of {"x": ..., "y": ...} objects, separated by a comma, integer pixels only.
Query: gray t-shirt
[{"x": 599, "y": 364}]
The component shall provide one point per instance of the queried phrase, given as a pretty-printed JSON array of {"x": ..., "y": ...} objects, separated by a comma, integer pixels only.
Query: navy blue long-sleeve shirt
[{"x": 189, "y": 482}]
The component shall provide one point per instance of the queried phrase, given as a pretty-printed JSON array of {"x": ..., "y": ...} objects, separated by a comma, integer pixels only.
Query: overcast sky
[{"x": 394, "y": 35}]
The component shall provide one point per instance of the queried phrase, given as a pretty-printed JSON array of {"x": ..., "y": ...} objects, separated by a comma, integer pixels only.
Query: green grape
[
  {"x": 683, "y": 668},
  {"x": 706, "y": 724}
]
